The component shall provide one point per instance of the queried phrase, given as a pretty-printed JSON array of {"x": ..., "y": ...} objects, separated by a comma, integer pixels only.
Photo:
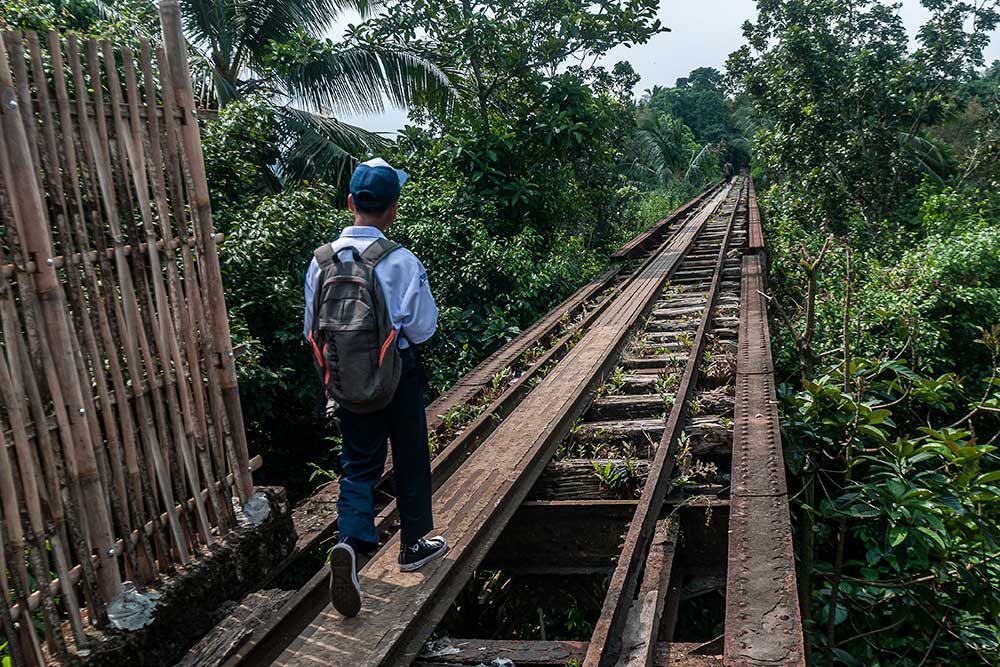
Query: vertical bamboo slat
[{"x": 29, "y": 218}]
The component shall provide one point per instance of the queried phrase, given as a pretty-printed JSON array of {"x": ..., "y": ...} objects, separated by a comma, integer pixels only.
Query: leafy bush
[
  {"x": 944, "y": 289},
  {"x": 906, "y": 511}
]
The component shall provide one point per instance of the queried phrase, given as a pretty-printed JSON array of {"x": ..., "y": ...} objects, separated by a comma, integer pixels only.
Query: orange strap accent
[
  {"x": 316, "y": 352},
  {"x": 385, "y": 346}
]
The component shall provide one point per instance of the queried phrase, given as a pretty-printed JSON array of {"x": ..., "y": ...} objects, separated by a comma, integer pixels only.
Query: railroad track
[{"x": 662, "y": 371}]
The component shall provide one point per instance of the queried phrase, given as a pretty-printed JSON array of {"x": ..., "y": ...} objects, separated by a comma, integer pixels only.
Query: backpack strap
[
  {"x": 324, "y": 255},
  {"x": 378, "y": 250}
]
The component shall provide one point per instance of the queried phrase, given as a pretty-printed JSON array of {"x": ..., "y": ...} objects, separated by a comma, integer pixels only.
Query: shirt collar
[{"x": 361, "y": 232}]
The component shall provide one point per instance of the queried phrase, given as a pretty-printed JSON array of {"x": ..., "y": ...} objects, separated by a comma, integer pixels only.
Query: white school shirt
[{"x": 404, "y": 283}]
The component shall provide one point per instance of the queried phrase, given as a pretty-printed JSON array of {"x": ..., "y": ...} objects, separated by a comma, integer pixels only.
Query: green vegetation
[{"x": 877, "y": 168}]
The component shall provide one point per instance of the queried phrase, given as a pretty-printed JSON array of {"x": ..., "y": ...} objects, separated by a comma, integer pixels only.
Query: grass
[{"x": 614, "y": 384}]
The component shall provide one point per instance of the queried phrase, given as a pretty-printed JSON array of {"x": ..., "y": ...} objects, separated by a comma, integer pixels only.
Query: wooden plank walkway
[{"x": 401, "y": 609}]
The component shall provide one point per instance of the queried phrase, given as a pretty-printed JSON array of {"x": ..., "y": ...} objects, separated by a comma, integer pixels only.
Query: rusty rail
[{"x": 606, "y": 644}]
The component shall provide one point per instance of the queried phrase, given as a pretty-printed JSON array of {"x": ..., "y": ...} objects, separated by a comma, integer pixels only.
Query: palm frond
[
  {"x": 927, "y": 155},
  {"x": 321, "y": 148},
  {"x": 697, "y": 160},
  {"x": 211, "y": 91},
  {"x": 362, "y": 79}
]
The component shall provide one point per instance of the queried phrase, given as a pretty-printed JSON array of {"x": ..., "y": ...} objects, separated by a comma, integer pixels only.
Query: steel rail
[
  {"x": 488, "y": 489},
  {"x": 259, "y": 647},
  {"x": 605, "y": 645}
]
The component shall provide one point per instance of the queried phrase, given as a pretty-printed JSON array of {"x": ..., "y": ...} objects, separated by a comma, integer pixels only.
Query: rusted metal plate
[
  {"x": 534, "y": 653},
  {"x": 756, "y": 240},
  {"x": 754, "y": 354},
  {"x": 763, "y": 625},
  {"x": 758, "y": 466}
]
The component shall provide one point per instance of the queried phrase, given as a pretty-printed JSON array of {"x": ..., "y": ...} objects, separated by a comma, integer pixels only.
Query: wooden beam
[{"x": 532, "y": 653}]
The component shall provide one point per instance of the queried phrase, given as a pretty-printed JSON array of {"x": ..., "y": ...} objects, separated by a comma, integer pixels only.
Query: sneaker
[
  {"x": 421, "y": 552},
  {"x": 345, "y": 591}
]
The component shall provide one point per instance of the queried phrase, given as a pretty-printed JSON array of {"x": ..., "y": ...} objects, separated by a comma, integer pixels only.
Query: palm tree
[
  {"x": 274, "y": 50},
  {"x": 664, "y": 150}
]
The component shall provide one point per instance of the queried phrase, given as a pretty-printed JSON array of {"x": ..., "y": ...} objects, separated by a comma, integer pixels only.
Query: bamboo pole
[
  {"x": 14, "y": 546},
  {"x": 75, "y": 573},
  {"x": 180, "y": 78},
  {"x": 31, "y": 493},
  {"x": 59, "y": 261},
  {"x": 12, "y": 389},
  {"x": 25, "y": 476},
  {"x": 137, "y": 281},
  {"x": 59, "y": 461},
  {"x": 29, "y": 219},
  {"x": 15, "y": 50},
  {"x": 138, "y": 561},
  {"x": 30, "y": 123},
  {"x": 112, "y": 312},
  {"x": 123, "y": 439},
  {"x": 164, "y": 328},
  {"x": 6, "y": 613},
  {"x": 55, "y": 524}
]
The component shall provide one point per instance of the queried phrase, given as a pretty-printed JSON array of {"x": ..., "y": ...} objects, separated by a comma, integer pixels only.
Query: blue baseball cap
[{"x": 375, "y": 184}]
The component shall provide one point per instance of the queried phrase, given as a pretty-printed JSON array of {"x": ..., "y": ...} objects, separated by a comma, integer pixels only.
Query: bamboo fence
[{"x": 122, "y": 444}]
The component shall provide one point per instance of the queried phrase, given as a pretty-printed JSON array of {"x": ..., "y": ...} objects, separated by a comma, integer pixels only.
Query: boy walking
[{"x": 367, "y": 303}]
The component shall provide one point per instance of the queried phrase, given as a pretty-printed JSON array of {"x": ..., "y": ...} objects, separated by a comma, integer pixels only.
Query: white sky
[{"x": 704, "y": 33}]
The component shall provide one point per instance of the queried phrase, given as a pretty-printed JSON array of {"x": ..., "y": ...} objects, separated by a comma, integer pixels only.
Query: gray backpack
[{"x": 353, "y": 340}]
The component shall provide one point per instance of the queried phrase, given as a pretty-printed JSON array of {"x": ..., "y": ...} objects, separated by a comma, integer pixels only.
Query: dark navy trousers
[{"x": 363, "y": 455}]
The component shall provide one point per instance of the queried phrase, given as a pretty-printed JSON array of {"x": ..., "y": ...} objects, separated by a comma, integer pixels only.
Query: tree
[
  {"x": 273, "y": 48},
  {"x": 845, "y": 105},
  {"x": 666, "y": 147},
  {"x": 273, "y": 52},
  {"x": 509, "y": 49},
  {"x": 699, "y": 101}
]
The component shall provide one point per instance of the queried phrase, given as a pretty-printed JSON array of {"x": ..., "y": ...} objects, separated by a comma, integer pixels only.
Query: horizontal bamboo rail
[{"x": 58, "y": 262}]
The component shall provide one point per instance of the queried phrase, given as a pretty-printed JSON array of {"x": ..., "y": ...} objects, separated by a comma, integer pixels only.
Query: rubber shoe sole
[
  {"x": 410, "y": 567},
  {"x": 345, "y": 591}
]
